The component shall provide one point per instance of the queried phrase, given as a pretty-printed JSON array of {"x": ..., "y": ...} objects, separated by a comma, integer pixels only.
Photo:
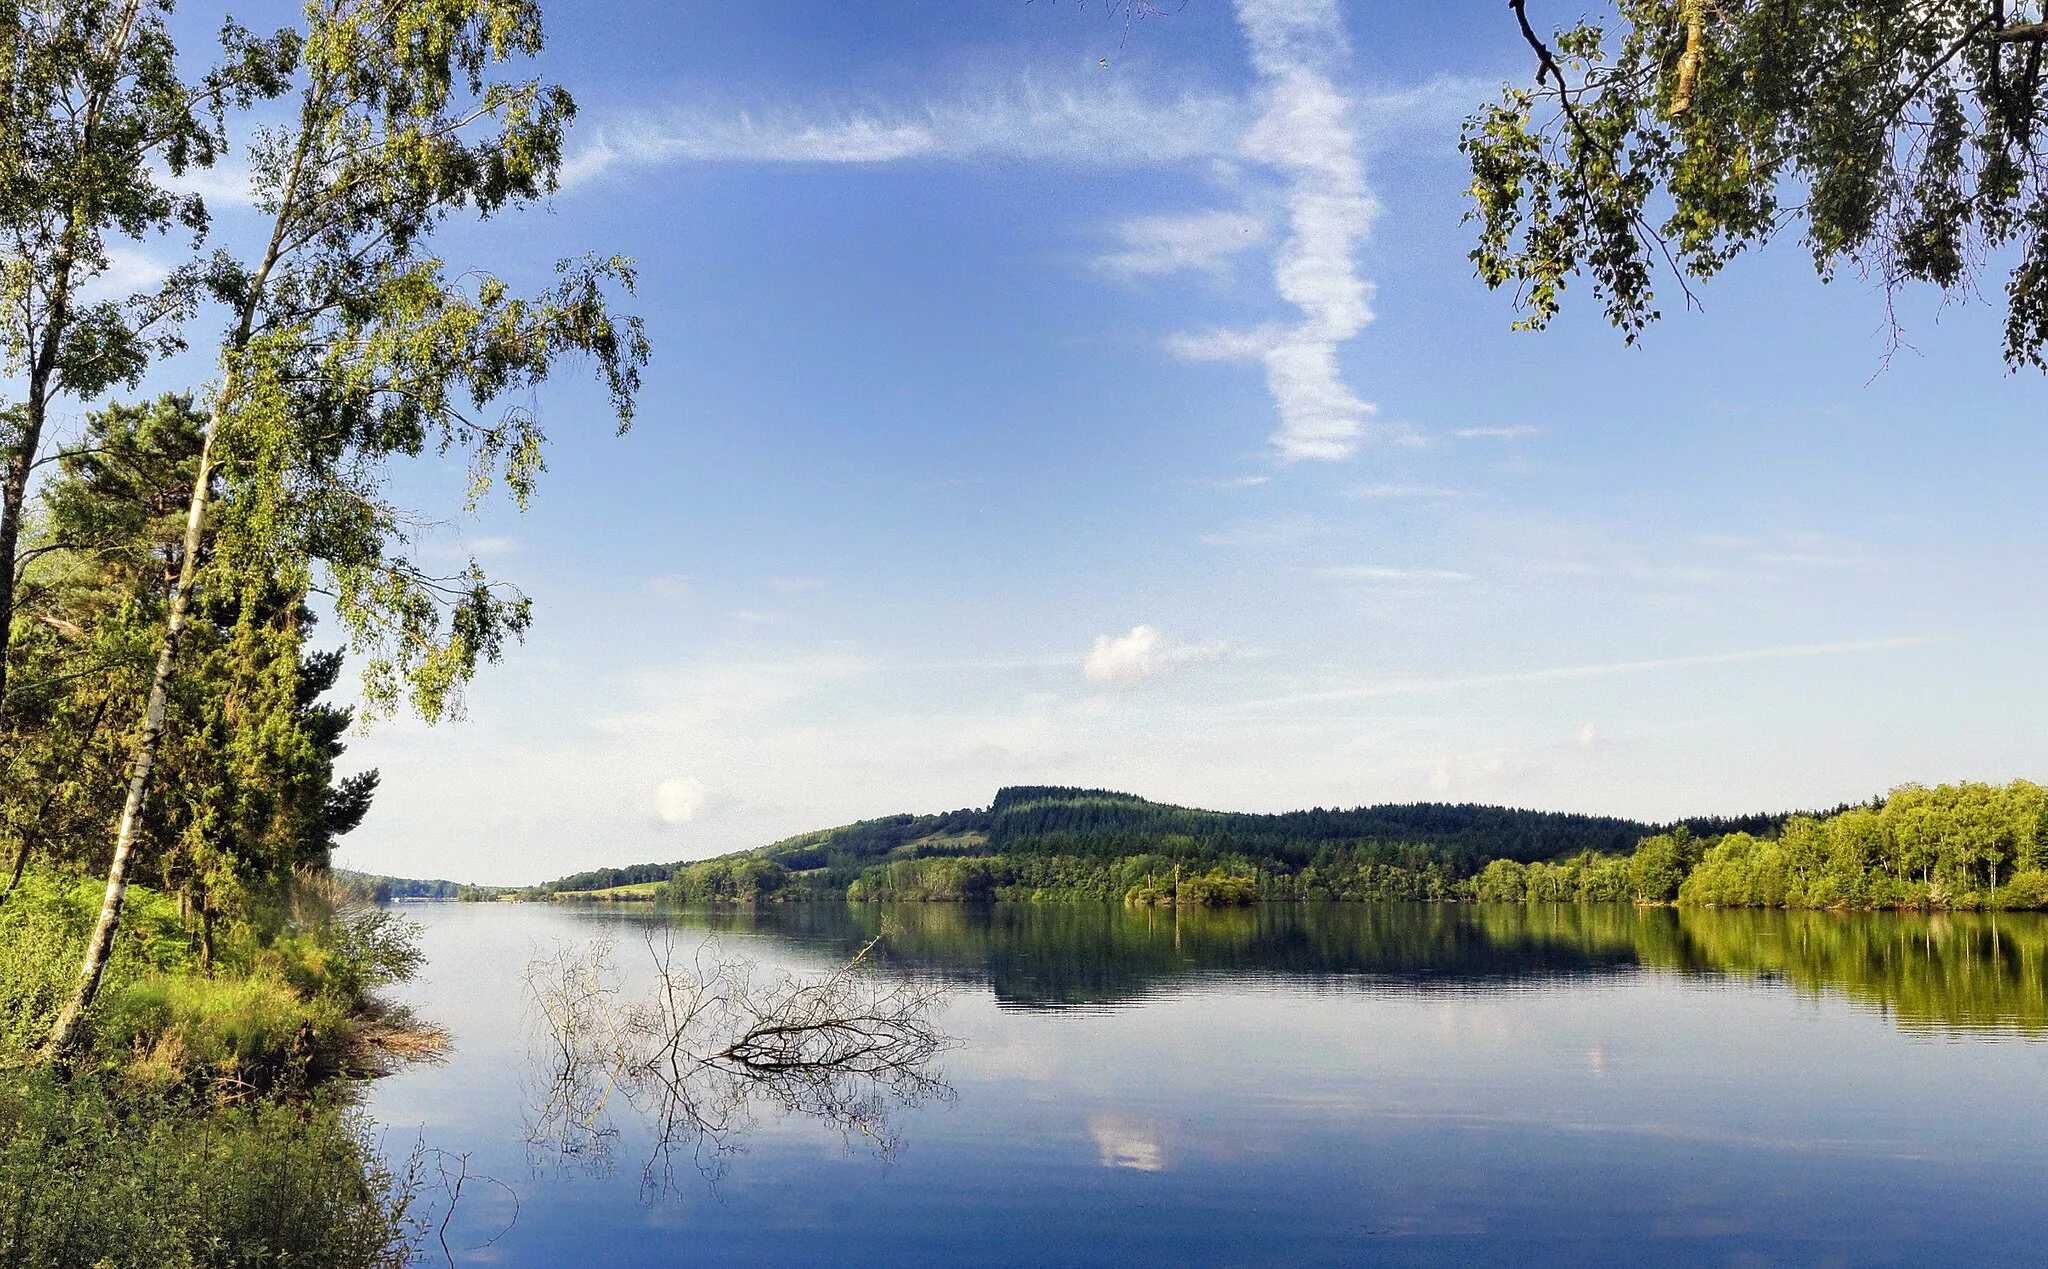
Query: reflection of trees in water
[
  {"x": 1965, "y": 971},
  {"x": 716, "y": 1039}
]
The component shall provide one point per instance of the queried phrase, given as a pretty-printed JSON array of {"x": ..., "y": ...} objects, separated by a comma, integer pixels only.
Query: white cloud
[
  {"x": 1126, "y": 1142},
  {"x": 1169, "y": 244},
  {"x": 225, "y": 184},
  {"x": 1082, "y": 124},
  {"x": 1589, "y": 735},
  {"x": 1143, "y": 653},
  {"x": 130, "y": 270},
  {"x": 1307, "y": 132},
  {"x": 1514, "y": 433},
  {"x": 680, "y": 799},
  {"x": 1300, "y": 124},
  {"x": 1382, "y": 573},
  {"x": 1128, "y": 657}
]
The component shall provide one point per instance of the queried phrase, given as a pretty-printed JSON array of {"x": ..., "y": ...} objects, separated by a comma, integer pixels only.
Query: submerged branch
[{"x": 715, "y": 1037}]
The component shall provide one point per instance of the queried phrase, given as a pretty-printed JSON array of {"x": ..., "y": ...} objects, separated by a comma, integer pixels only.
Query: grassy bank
[{"x": 207, "y": 1120}]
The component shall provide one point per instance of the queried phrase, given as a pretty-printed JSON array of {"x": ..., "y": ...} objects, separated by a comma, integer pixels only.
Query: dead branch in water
[{"x": 715, "y": 1038}]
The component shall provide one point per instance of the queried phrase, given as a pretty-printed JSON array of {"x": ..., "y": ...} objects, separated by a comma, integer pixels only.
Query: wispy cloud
[
  {"x": 1563, "y": 673},
  {"x": 1300, "y": 124},
  {"x": 1143, "y": 653},
  {"x": 1515, "y": 433},
  {"x": 1170, "y": 244},
  {"x": 1112, "y": 124},
  {"x": 1404, "y": 491},
  {"x": 130, "y": 269},
  {"x": 1385, "y": 573},
  {"x": 1307, "y": 132},
  {"x": 1276, "y": 531}
]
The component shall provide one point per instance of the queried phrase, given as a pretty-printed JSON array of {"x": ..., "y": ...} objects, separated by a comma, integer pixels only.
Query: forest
[{"x": 1957, "y": 847}]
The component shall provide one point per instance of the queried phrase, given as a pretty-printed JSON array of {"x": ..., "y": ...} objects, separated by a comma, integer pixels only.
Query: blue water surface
[{"x": 1346, "y": 1084}]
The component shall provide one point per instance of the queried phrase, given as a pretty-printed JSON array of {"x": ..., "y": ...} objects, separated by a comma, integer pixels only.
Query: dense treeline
[
  {"x": 1961, "y": 846},
  {"x": 606, "y": 878},
  {"x": 1100, "y": 824},
  {"x": 1954, "y": 846}
]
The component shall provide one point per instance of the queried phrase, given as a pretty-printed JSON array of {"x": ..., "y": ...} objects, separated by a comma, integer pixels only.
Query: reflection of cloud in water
[{"x": 1128, "y": 1143}]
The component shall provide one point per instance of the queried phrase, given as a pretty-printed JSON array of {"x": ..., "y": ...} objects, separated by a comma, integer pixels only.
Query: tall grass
[{"x": 203, "y": 1125}]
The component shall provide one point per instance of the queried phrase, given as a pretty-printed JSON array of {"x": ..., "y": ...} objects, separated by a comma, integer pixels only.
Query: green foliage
[
  {"x": 1217, "y": 888},
  {"x": 291, "y": 992},
  {"x": 1947, "y": 846},
  {"x": 96, "y": 1175},
  {"x": 354, "y": 344},
  {"x": 730, "y": 880},
  {"x": 1903, "y": 137},
  {"x": 249, "y": 789},
  {"x": 1660, "y": 865},
  {"x": 940, "y": 880}
]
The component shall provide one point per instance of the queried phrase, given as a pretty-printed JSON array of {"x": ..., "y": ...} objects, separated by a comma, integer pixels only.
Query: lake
[{"x": 1301, "y": 1084}]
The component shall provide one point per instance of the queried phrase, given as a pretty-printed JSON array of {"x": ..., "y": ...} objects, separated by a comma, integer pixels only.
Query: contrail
[{"x": 1416, "y": 687}]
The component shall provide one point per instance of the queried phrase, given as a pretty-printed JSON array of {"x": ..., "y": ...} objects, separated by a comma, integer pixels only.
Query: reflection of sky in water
[
  {"x": 1128, "y": 1143},
  {"x": 1618, "y": 1117}
]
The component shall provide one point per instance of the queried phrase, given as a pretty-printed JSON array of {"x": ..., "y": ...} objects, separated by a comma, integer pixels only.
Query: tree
[
  {"x": 92, "y": 114},
  {"x": 351, "y": 344},
  {"x": 1903, "y": 137},
  {"x": 249, "y": 749}
]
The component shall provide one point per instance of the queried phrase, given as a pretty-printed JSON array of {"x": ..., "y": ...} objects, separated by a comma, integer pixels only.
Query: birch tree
[
  {"x": 93, "y": 116},
  {"x": 1903, "y": 139},
  {"x": 352, "y": 343}
]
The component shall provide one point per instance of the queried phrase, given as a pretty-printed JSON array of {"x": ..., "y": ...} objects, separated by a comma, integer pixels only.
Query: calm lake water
[{"x": 1336, "y": 1084}]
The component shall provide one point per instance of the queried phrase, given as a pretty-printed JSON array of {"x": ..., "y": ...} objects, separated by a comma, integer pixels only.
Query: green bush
[
  {"x": 92, "y": 1177},
  {"x": 738, "y": 880}
]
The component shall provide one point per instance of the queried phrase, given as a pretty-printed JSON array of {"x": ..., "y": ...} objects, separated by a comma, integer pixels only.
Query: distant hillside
[{"x": 1101, "y": 823}]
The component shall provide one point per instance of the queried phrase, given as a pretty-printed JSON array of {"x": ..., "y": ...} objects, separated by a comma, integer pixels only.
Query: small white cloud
[
  {"x": 228, "y": 184},
  {"x": 1170, "y": 244},
  {"x": 1515, "y": 433},
  {"x": 1132, "y": 656},
  {"x": 1383, "y": 573},
  {"x": 1143, "y": 653},
  {"x": 1589, "y": 735},
  {"x": 130, "y": 270},
  {"x": 680, "y": 799},
  {"x": 1225, "y": 345},
  {"x": 486, "y": 547}
]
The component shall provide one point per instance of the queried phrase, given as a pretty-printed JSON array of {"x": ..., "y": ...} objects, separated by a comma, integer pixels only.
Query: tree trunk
[
  {"x": 65, "y": 1035},
  {"x": 205, "y": 935}
]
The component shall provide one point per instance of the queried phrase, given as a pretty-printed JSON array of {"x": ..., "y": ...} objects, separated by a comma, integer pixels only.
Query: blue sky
[{"x": 1018, "y": 418}]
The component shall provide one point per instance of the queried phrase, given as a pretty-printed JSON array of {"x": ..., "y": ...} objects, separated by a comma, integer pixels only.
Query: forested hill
[{"x": 1100, "y": 823}]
